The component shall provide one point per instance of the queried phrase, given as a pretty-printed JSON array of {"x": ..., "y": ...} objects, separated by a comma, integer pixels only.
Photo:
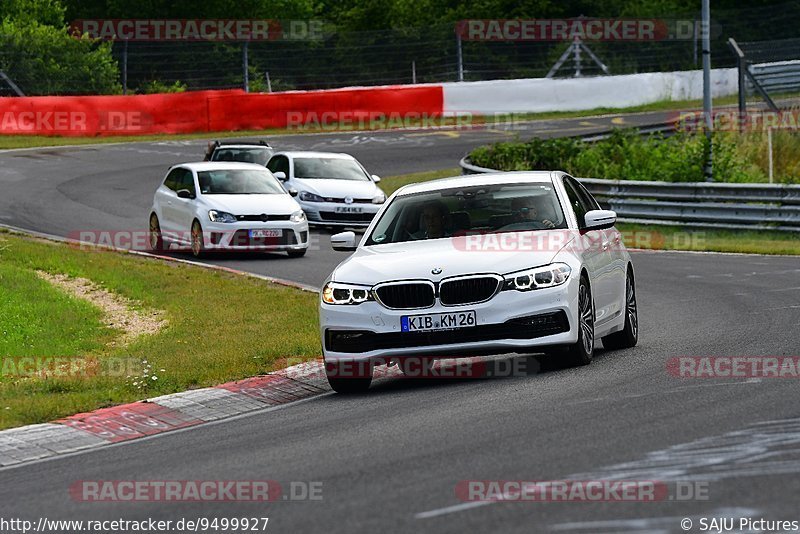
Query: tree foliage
[{"x": 37, "y": 52}]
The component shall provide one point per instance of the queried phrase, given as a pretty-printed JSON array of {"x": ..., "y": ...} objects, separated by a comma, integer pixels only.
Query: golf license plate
[
  {"x": 437, "y": 321},
  {"x": 348, "y": 209},
  {"x": 266, "y": 233}
]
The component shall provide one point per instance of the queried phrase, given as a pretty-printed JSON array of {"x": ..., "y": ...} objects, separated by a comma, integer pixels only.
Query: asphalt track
[
  {"x": 109, "y": 188},
  {"x": 390, "y": 461}
]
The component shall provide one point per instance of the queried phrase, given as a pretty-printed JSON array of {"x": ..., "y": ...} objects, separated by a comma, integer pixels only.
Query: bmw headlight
[
  {"x": 336, "y": 293},
  {"x": 310, "y": 197},
  {"x": 298, "y": 216},
  {"x": 551, "y": 275},
  {"x": 380, "y": 198},
  {"x": 221, "y": 216}
]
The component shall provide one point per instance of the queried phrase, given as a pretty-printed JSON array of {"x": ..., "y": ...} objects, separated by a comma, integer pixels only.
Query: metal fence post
[
  {"x": 706, "y": 29},
  {"x": 460, "y": 58},
  {"x": 769, "y": 149},
  {"x": 245, "y": 73},
  {"x": 11, "y": 84},
  {"x": 741, "y": 69},
  {"x": 125, "y": 67},
  {"x": 414, "y": 72}
]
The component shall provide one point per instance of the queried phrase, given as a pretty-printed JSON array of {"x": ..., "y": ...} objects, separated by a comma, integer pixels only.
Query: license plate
[
  {"x": 266, "y": 233},
  {"x": 437, "y": 321},
  {"x": 348, "y": 209}
]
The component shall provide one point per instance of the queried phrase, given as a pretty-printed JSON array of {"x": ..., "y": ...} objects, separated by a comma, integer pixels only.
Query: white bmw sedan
[
  {"x": 333, "y": 189},
  {"x": 485, "y": 264},
  {"x": 226, "y": 206}
]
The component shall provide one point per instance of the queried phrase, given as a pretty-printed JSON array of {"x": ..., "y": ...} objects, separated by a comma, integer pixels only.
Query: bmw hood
[
  {"x": 338, "y": 188},
  {"x": 278, "y": 204},
  {"x": 491, "y": 253}
]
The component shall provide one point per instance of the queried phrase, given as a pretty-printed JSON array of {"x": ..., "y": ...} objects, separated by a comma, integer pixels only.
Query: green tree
[{"x": 43, "y": 59}]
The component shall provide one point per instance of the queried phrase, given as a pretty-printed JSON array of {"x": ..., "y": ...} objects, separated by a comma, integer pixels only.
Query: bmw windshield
[{"x": 470, "y": 210}]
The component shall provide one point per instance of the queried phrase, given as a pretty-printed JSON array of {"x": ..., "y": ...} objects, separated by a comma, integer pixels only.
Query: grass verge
[
  {"x": 390, "y": 184},
  {"x": 663, "y": 237},
  {"x": 221, "y": 327},
  {"x": 710, "y": 240}
]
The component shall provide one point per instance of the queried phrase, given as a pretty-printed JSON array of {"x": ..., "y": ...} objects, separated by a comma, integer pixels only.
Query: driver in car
[
  {"x": 525, "y": 210},
  {"x": 433, "y": 221}
]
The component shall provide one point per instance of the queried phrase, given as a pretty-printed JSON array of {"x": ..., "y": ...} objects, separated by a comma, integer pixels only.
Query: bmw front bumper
[{"x": 511, "y": 321}]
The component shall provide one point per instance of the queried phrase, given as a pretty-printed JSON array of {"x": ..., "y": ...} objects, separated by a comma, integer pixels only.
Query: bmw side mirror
[
  {"x": 344, "y": 241},
  {"x": 599, "y": 219},
  {"x": 376, "y": 178},
  {"x": 185, "y": 193},
  {"x": 293, "y": 192},
  {"x": 280, "y": 175}
]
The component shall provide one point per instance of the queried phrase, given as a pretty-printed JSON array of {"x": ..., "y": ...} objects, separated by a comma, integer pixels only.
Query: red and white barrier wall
[
  {"x": 208, "y": 111},
  {"x": 577, "y": 94},
  {"x": 217, "y": 111}
]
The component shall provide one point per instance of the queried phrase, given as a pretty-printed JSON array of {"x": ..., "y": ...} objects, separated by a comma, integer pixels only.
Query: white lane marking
[
  {"x": 781, "y": 308},
  {"x": 451, "y": 509},
  {"x": 665, "y": 391},
  {"x": 778, "y": 290},
  {"x": 661, "y": 524},
  {"x": 757, "y": 450}
]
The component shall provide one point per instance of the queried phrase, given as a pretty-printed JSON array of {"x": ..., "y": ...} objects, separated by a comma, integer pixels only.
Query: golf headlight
[
  {"x": 221, "y": 217},
  {"x": 336, "y": 293},
  {"x": 310, "y": 197},
  {"x": 298, "y": 216},
  {"x": 551, "y": 275},
  {"x": 380, "y": 198}
]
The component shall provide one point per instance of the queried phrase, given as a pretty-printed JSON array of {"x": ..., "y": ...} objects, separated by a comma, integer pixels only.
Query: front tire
[
  {"x": 349, "y": 377},
  {"x": 156, "y": 241},
  {"x": 297, "y": 253},
  {"x": 198, "y": 245},
  {"x": 629, "y": 335},
  {"x": 582, "y": 352}
]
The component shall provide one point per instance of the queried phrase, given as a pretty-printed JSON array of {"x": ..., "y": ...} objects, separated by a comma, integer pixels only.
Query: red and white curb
[{"x": 161, "y": 414}]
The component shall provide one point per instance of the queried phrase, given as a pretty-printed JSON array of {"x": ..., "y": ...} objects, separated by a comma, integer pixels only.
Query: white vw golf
[
  {"x": 508, "y": 262},
  {"x": 333, "y": 189},
  {"x": 226, "y": 206}
]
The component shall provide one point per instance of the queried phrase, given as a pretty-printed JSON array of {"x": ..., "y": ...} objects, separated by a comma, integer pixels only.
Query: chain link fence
[{"x": 396, "y": 56}]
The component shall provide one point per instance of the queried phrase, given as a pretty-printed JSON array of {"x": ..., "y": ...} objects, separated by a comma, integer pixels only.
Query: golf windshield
[
  {"x": 469, "y": 210},
  {"x": 329, "y": 168},
  {"x": 239, "y": 182},
  {"x": 259, "y": 155}
]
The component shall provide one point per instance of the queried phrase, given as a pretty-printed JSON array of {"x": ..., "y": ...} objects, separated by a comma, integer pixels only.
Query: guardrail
[{"x": 733, "y": 206}]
